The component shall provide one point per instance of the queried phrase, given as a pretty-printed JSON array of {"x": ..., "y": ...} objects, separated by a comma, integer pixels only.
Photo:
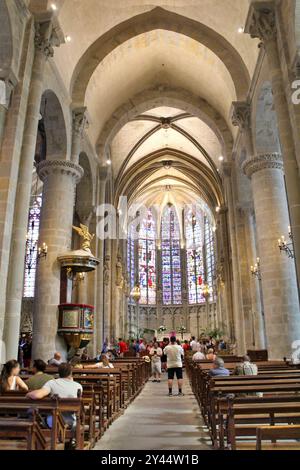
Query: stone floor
[{"x": 155, "y": 421}]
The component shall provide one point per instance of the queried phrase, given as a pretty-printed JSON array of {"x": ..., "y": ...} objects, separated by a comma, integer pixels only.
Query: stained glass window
[
  {"x": 131, "y": 257},
  {"x": 147, "y": 260},
  {"x": 170, "y": 253},
  {"x": 209, "y": 256},
  {"x": 31, "y": 247},
  {"x": 194, "y": 253}
]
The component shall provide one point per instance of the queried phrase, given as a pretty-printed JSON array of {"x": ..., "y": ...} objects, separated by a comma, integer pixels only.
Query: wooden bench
[{"x": 21, "y": 435}]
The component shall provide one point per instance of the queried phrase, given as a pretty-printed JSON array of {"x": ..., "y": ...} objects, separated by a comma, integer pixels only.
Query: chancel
[{"x": 149, "y": 225}]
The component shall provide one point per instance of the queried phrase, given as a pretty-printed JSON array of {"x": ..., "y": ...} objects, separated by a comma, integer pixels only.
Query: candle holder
[
  {"x": 42, "y": 251},
  {"x": 285, "y": 246},
  {"x": 255, "y": 270}
]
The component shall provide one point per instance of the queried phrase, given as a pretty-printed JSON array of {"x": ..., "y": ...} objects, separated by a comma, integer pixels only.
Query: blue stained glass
[
  {"x": 31, "y": 247},
  {"x": 170, "y": 252},
  {"x": 147, "y": 260}
]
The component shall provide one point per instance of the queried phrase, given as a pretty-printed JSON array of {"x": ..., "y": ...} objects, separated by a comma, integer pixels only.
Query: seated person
[
  {"x": 10, "y": 380},
  {"x": 211, "y": 356},
  {"x": 103, "y": 364},
  {"x": 56, "y": 360},
  {"x": 64, "y": 387},
  {"x": 39, "y": 378},
  {"x": 218, "y": 368},
  {"x": 198, "y": 356},
  {"x": 246, "y": 367}
]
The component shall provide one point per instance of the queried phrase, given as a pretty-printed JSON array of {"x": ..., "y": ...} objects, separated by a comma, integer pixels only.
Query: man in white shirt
[
  {"x": 64, "y": 387},
  {"x": 198, "y": 356},
  {"x": 194, "y": 344},
  {"x": 174, "y": 354}
]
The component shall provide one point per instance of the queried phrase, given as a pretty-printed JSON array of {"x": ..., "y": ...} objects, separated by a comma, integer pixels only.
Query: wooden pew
[
  {"x": 275, "y": 433},
  {"x": 15, "y": 405},
  {"x": 19, "y": 434}
]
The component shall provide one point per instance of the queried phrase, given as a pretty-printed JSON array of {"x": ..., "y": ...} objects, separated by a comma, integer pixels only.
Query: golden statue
[{"x": 84, "y": 233}]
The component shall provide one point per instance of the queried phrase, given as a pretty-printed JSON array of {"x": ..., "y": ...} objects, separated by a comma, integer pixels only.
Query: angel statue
[{"x": 84, "y": 233}]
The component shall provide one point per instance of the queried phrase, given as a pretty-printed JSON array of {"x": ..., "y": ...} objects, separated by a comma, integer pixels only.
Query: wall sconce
[
  {"x": 287, "y": 247},
  {"x": 42, "y": 251},
  {"x": 255, "y": 270}
]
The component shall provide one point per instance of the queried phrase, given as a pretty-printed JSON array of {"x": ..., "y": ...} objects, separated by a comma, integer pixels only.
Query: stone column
[
  {"x": 99, "y": 278},
  {"x": 79, "y": 123},
  {"x": 262, "y": 24},
  {"x": 107, "y": 291},
  {"x": 279, "y": 285},
  {"x": 45, "y": 38},
  {"x": 60, "y": 178}
]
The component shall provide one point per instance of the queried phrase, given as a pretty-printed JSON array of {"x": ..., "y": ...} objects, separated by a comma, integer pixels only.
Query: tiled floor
[{"x": 155, "y": 421}]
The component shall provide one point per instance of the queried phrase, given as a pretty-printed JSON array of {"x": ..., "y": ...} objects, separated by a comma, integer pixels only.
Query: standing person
[
  {"x": 142, "y": 347},
  {"x": 10, "y": 380},
  {"x": 122, "y": 347},
  {"x": 194, "y": 344},
  {"x": 174, "y": 354},
  {"x": 156, "y": 354},
  {"x": 186, "y": 346},
  {"x": 164, "y": 344},
  {"x": 26, "y": 349}
]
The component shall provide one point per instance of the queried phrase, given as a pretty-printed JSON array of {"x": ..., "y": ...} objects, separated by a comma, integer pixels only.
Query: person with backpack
[{"x": 246, "y": 367}]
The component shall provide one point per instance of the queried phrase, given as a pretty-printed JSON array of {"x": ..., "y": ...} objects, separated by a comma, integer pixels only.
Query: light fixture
[
  {"x": 42, "y": 251},
  {"x": 108, "y": 162},
  {"x": 255, "y": 270},
  {"x": 218, "y": 208},
  {"x": 287, "y": 247},
  {"x": 135, "y": 293},
  {"x": 221, "y": 158},
  {"x": 68, "y": 38},
  {"x": 53, "y": 7},
  {"x": 241, "y": 30}
]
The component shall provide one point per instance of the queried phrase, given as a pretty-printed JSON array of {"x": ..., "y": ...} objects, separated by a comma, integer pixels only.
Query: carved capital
[
  {"x": 57, "y": 167},
  {"x": 261, "y": 21},
  {"x": 262, "y": 162},
  {"x": 241, "y": 114},
  {"x": 80, "y": 121},
  {"x": 47, "y": 36}
]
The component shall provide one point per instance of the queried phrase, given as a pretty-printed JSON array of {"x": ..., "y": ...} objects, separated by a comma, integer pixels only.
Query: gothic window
[
  {"x": 147, "y": 260},
  {"x": 195, "y": 259},
  {"x": 31, "y": 247},
  {"x": 131, "y": 257},
  {"x": 170, "y": 253},
  {"x": 209, "y": 257}
]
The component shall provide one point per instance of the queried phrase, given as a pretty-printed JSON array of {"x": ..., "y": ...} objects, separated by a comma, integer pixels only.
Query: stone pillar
[
  {"x": 45, "y": 38},
  {"x": 262, "y": 24},
  {"x": 79, "y": 123},
  {"x": 279, "y": 285},
  {"x": 107, "y": 291},
  {"x": 60, "y": 178},
  {"x": 99, "y": 278}
]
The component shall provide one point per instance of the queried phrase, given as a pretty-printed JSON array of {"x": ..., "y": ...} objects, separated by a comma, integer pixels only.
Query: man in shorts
[{"x": 174, "y": 354}]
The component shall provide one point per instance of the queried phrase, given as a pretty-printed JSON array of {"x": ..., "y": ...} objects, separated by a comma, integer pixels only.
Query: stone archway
[
  {"x": 158, "y": 18},
  {"x": 164, "y": 96}
]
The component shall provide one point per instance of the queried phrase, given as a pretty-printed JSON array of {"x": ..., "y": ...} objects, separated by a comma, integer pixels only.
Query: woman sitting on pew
[
  {"x": 103, "y": 364},
  {"x": 211, "y": 356},
  {"x": 10, "y": 380}
]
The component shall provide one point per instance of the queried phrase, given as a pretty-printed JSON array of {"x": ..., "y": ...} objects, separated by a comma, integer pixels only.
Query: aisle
[{"x": 155, "y": 421}]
